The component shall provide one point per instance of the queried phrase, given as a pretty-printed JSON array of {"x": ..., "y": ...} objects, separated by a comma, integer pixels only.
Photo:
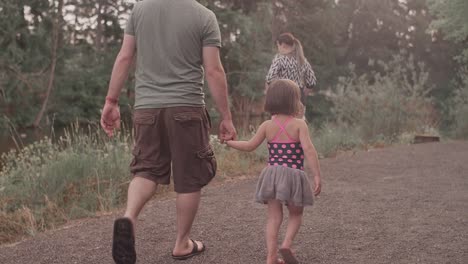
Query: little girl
[{"x": 283, "y": 181}]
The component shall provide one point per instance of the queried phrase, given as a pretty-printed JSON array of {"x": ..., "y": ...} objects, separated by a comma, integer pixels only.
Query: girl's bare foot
[
  {"x": 288, "y": 256},
  {"x": 275, "y": 260}
]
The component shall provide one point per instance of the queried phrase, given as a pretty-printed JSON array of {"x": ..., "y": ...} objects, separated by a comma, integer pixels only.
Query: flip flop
[
  {"x": 288, "y": 256},
  {"x": 195, "y": 251},
  {"x": 123, "y": 243}
]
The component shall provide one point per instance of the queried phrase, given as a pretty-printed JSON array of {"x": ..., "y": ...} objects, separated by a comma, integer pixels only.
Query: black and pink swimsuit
[{"x": 287, "y": 153}]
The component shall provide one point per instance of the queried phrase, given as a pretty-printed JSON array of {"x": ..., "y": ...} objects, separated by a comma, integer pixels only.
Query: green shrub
[
  {"x": 459, "y": 110},
  {"x": 386, "y": 104},
  {"x": 331, "y": 138},
  {"x": 80, "y": 174}
]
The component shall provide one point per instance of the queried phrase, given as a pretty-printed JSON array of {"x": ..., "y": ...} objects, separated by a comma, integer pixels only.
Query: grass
[
  {"x": 331, "y": 138},
  {"x": 83, "y": 173},
  {"x": 47, "y": 183}
]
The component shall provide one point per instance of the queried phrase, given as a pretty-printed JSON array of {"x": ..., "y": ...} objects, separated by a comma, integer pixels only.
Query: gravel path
[{"x": 405, "y": 204}]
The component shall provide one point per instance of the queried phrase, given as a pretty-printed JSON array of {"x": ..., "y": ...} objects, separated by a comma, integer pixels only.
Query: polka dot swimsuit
[{"x": 287, "y": 153}]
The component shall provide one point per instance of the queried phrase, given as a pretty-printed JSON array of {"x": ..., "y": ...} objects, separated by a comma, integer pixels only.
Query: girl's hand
[
  {"x": 317, "y": 185},
  {"x": 227, "y": 131}
]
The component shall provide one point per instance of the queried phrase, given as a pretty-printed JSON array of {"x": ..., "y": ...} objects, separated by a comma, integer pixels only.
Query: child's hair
[
  {"x": 283, "y": 97},
  {"x": 290, "y": 40}
]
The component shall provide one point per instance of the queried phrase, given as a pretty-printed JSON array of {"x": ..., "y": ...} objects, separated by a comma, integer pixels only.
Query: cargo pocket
[
  {"x": 208, "y": 118},
  {"x": 134, "y": 163},
  {"x": 188, "y": 118},
  {"x": 143, "y": 119},
  {"x": 188, "y": 128},
  {"x": 208, "y": 164},
  {"x": 145, "y": 128}
]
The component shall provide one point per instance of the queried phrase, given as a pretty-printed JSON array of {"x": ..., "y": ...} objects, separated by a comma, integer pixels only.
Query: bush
[
  {"x": 332, "y": 138},
  {"x": 49, "y": 182},
  {"x": 459, "y": 110},
  {"x": 386, "y": 105}
]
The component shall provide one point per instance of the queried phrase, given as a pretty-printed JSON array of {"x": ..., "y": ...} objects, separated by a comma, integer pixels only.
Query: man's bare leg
[
  {"x": 140, "y": 192},
  {"x": 123, "y": 242},
  {"x": 187, "y": 207}
]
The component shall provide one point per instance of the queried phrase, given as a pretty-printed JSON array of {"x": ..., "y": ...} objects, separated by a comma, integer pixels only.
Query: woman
[{"x": 290, "y": 63}]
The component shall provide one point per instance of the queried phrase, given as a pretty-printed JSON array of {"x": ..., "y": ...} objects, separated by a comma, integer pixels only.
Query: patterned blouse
[{"x": 287, "y": 67}]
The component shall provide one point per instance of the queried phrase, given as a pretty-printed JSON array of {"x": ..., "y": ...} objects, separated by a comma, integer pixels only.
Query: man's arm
[
  {"x": 110, "y": 116},
  {"x": 218, "y": 87},
  {"x": 122, "y": 66},
  {"x": 216, "y": 80}
]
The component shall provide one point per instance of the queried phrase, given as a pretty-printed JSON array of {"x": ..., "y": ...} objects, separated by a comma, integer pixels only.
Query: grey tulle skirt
[{"x": 289, "y": 186}]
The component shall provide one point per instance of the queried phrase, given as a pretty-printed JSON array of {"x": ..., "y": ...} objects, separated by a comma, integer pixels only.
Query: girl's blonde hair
[
  {"x": 283, "y": 97},
  {"x": 290, "y": 40}
]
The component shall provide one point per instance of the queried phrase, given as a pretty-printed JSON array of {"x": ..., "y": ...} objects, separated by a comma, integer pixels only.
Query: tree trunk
[
  {"x": 99, "y": 26},
  {"x": 279, "y": 21},
  {"x": 275, "y": 21},
  {"x": 55, "y": 43}
]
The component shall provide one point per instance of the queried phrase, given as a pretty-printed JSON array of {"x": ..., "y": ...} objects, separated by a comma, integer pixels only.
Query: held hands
[
  {"x": 110, "y": 118},
  {"x": 227, "y": 131}
]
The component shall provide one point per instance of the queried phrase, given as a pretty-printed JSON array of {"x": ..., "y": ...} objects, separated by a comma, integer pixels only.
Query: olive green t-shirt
[{"x": 170, "y": 36}]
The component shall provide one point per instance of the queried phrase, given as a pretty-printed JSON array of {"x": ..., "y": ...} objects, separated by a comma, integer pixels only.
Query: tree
[
  {"x": 24, "y": 53},
  {"x": 56, "y": 35},
  {"x": 452, "y": 20}
]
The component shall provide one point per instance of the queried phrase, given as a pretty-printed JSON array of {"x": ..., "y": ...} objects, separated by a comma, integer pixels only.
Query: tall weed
[
  {"x": 459, "y": 109},
  {"x": 332, "y": 138},
  {"x": 51, "y": 182},
  {"x": 388, "y": 104}
]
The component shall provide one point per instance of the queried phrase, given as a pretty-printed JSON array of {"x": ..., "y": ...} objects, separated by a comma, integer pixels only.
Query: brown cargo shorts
[{"x": 177, "y": 139}]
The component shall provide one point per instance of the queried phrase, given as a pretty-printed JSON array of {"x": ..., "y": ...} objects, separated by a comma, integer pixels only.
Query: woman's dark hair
[
  {"x": 290, "y": 40},
  {"x": 283, "y": 97}
]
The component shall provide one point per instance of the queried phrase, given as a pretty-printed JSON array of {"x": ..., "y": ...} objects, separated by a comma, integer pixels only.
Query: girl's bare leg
[
  {"x": 294, "y": 223},
  {"x": 275, "y": 218}
]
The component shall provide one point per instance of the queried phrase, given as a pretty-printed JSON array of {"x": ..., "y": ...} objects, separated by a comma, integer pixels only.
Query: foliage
[
  {"x": 77, "y": 176},
  {"x": 386, "y": 104},
  {"x": 459, "y": 109},
  {"x": 334, "y": 34},
  {"x": 452, "y": 21},
  {"x": 331, "y": 138}
]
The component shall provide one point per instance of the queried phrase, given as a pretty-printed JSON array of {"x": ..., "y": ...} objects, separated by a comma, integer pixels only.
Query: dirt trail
[{"x": 404, "y": 204}]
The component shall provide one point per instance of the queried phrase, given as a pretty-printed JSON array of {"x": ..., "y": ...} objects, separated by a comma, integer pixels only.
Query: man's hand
[
  {"x": 110, "y": 118},
  {"x": 227, "y": 131}
]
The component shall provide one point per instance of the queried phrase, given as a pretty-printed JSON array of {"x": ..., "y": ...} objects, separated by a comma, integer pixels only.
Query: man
[{"x": 174, "y": 42}]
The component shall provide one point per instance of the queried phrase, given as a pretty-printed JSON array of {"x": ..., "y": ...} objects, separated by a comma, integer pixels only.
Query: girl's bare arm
[
  {"x": 253, "y": 143},
  {"x": 310, "y": 155}
]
